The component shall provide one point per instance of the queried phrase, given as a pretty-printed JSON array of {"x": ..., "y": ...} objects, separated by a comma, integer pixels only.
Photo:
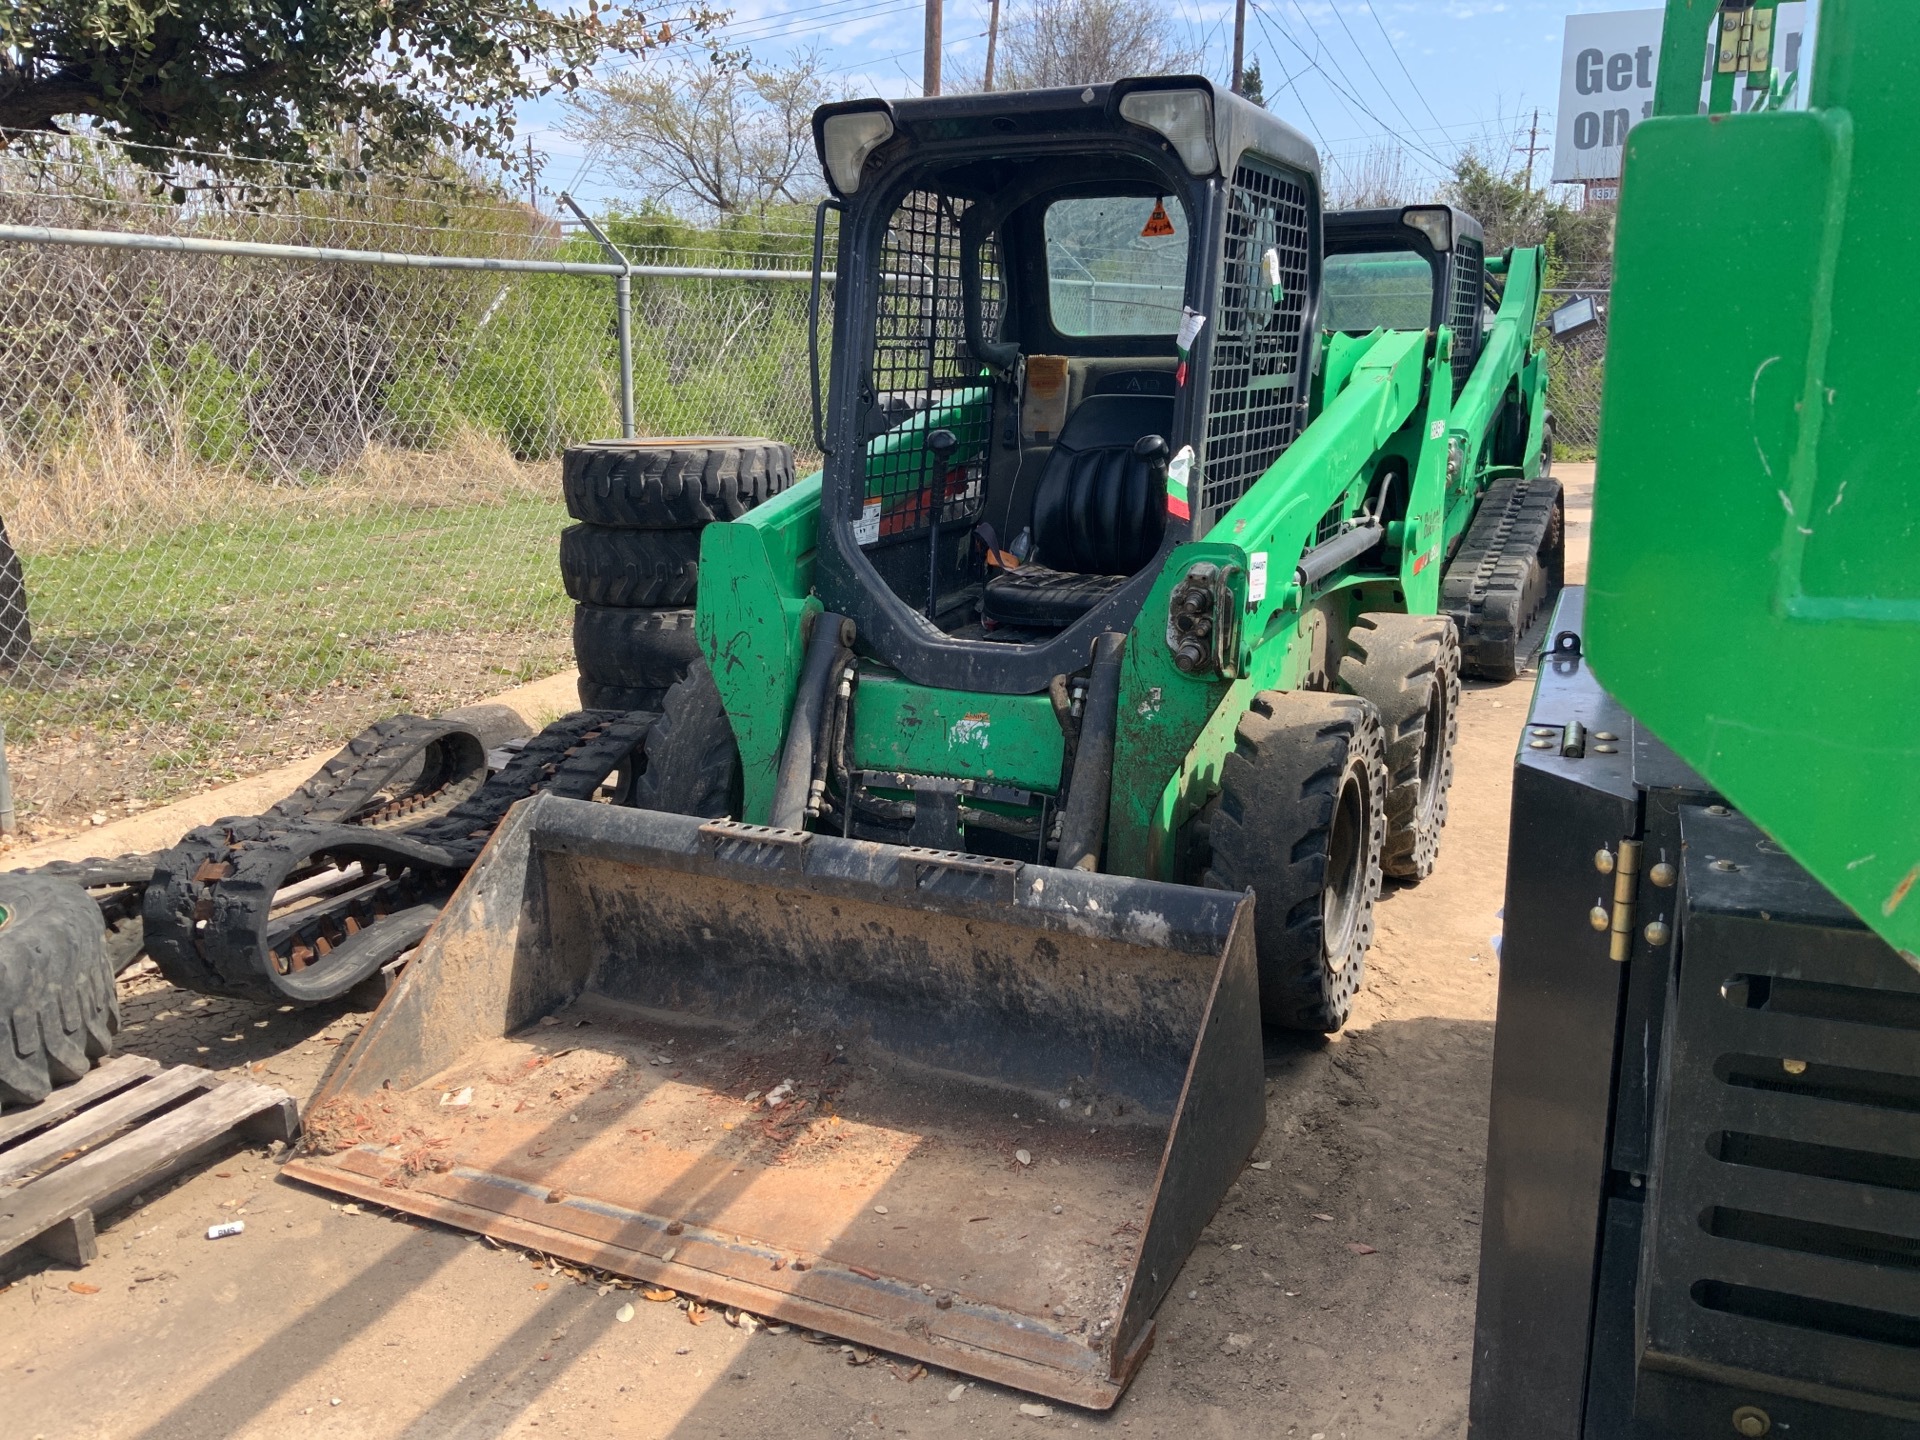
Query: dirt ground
[{"x": 1330, "y": 1299}]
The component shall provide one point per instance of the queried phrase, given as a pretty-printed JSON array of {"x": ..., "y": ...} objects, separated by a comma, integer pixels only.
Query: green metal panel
[
  {"x": 756, "y": 583},
  {"x": 1008, "y": 739},
  {"x": 1754, "y": 592}
]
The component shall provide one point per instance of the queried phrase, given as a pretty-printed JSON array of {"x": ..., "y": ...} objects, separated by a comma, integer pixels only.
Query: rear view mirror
[{"x": 1575, "y": 318}]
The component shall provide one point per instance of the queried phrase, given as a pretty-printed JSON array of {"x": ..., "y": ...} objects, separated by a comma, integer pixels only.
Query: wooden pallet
[{"x": 126, "y": 1126}]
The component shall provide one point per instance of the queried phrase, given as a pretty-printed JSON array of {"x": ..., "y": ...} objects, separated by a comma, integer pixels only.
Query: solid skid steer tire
[
  {"x": 16, "y": 629},
  {"x": 1301, "y": 822},
  {"x": 59, "y": 1011},
  {"x": 667, "y": 484},
  {"x": 1409, "y": 667},
  {"x": 632, "y": 568},
  {"x": 633, "y": 649},
  {"x": 693, "y": 760}
]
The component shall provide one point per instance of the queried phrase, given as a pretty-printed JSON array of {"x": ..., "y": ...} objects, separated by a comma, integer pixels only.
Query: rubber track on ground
[
  {"x": 1491, "y": 565},
  {"x": 208, "y": 911}
]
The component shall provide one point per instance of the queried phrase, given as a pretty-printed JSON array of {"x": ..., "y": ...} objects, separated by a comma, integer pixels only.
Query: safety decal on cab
[{"x": 1179, "y": 473}]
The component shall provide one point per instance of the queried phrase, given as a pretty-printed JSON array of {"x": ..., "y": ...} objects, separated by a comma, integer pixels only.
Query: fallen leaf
[
  {"x": 907, "y": 1375},
  {"x": 1360, "y": 1249},
  {"x": 953, "y": 1395},
  {"x": 659, "y": 1295},
  {"x": 541, "y": 1286},
  {"x": 80, "y": 1287},
  {"x": 698, "y": 1315},
  {"x": 623, "y": 1314},
  {"x": 1327, "y": 1218},
  {"x": 1025, "y": 1159},
  {"x": 1261, "y": 1165},
  {"x": 1038, "y": 1412}
]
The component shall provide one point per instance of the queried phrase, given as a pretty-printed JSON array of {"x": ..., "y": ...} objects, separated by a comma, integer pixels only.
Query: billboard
[{"x": 1607, "y": 68}]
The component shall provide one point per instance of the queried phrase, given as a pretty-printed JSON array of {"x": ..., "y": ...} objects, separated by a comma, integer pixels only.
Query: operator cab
[
  {"x": 1035, "y": 293},
  {"x": 1411, "y": 267}
]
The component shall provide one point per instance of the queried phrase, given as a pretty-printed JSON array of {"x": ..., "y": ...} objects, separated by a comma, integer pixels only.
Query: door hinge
[{"x": 1618, "y": 921}]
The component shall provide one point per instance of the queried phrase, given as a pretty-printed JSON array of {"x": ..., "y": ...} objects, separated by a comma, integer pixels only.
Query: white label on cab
[
  {"x": 866, "y": 529},
  {"x": 1256, "y": 577}
]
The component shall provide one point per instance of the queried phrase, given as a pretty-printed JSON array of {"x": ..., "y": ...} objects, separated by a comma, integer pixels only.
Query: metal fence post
[{"x": 623, "y": 307}]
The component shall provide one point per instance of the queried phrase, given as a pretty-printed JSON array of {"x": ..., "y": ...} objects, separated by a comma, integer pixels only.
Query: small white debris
[
  {"x": 953, "y": 1395},
  {"x": 334, "y": 1401},
  {"x": 1261, "y": 1165},
  {"x": 624, "y": 1313},
  {"x": 1064, "y": 1103},
  {"x": 1237, "y": 1342},
  {"x": 1193, "y": 1294},
  {"x": 221, "y": 1232},
  {"x": 1057, "y": 1210},
  {"x": 879, "y": 1209},
  {"x": 752, "y": 1096},
  {"x": 777, "y": 1096},
  {"x": 1038, "y": 1412},
  {"x": 1023, "y": 1157},
  {"x": 98, "y": 817},
  {"x": 462, "y": 1096}
]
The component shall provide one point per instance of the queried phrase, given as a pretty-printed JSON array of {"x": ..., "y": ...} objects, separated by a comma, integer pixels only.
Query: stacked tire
[{"x": 632, "y": 564}]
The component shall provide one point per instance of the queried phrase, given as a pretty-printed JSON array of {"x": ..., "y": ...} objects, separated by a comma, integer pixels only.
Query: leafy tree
[
  {"x": 280, "y": 79},
  {"x": 1252, "y": 87},
  {"x": 1579, "y": 242},
  {"x": 723, "y": 139}
]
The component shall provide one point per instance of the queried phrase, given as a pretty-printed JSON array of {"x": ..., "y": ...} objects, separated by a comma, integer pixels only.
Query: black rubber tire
[
  {"x": 16, "y": 629},
  {"x": 1409, "y": 667},
  {"x": 693, "y": 760},
  {"x": 595, "y": 696},
  {"x": 1498, "y": 583},
  {"x": 59, "y": 1011},
  {"x": 632, "y": 568},
  {"x": 668, "y": 484},
  {"x": 643, "y": 649},
  {"x": 1301, "y": 823}
]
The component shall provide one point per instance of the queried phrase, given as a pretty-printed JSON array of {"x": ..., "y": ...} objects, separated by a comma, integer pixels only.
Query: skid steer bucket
[{"x": 969, "y": 1111}]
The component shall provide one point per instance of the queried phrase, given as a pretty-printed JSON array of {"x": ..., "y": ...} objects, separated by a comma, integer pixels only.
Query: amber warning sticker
[{"x": 1157, "y": 222}]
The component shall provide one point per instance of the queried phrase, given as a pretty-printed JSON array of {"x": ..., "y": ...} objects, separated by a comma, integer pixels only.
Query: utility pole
[
  {"x": 1532, "y": 148},
  {"x": 930, "y": 83},
  {"x": 993, "y": 39},
  {"x": 1239, "y": 44}
]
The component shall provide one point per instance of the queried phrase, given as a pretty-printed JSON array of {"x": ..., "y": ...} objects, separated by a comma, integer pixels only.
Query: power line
[
  {"x": 1365, "y": 60},
  {"x": 1350, "y": 101},
  {"x": 1351, "y": 90},
  {"x": 1395, "y": 49}
]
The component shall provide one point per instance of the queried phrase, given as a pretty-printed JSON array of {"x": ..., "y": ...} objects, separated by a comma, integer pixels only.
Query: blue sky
[{"x": 1338, "y": 69}]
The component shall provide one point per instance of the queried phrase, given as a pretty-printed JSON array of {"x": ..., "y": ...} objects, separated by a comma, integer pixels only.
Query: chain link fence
[
  {"x": 1575, "y": 370},
  {"x": 260, "y": 501}
]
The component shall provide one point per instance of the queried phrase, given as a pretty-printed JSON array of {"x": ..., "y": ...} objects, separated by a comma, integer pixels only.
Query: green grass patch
[{"x": 201, "y": 629}]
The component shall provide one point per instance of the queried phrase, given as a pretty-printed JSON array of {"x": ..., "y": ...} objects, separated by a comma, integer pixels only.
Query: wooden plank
[
  {"x": 109, "y": 1176},
  {"x": 97, "y": 1084},
  {"x": 71, "y": 1242},
  {"x": 90, "y": 1127}
]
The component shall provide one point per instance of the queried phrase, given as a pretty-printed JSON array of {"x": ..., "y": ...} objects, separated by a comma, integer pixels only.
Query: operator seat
[{"x": 1099, "y": 513}]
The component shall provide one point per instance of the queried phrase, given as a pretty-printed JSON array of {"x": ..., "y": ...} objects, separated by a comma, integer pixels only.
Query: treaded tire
[
  {"x": 635, "y": 649},
  {"x": 1301, "y": 824},
  {"x": 1510, "y": 565},
  {"x": 58, "y": 1008},
  {"x": 1409, "y": 667},
  {"x": 667, "y": 484},
  {"x": 693, "y": 761},
  {"x": 634, "y": 568},
  {"x": 16, "y": 629}
]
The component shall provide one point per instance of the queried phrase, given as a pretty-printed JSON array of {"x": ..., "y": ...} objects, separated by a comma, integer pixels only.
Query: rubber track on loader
[
  {"x": 1499, "y": 581},
  {"x": 208, "y": 911}
]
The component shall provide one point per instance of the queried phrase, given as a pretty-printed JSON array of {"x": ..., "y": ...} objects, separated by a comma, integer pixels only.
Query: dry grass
[{"x": 117, "y": 486}]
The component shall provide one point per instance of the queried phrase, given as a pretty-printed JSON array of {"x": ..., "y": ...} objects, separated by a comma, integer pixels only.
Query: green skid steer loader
[{"x": 1056, "y": 733}]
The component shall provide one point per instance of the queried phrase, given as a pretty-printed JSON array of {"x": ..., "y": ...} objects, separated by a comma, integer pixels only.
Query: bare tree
[
  {"x": 1379, "y": 176},
  {"x": 716, "y": 138},
  {"x": 1083, "y": 42}
]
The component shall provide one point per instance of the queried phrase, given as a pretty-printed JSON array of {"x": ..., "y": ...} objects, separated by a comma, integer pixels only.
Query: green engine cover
[{"x": 1755, "y": 576}]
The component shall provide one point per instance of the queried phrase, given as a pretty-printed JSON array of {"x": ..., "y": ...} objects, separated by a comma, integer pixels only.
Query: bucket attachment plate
[{"x": 969, "y": 1111}]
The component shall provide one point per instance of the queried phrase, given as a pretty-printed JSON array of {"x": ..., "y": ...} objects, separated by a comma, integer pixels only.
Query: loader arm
[{"x": 1163, "y": 711}]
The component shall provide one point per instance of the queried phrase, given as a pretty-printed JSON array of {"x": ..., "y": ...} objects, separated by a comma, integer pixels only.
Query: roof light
[
  {"x": 847, "y": 139},
  {"x": 1185, "y": 117},
  {"x": 1433, "y": 221}
]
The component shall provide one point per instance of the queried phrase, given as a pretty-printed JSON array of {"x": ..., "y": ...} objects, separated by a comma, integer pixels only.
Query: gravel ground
[{"x": 1330, "y": 1299}]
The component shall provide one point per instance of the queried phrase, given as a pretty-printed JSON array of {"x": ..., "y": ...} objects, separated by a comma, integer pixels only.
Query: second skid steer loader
[{"x": 1054, "y": 735}]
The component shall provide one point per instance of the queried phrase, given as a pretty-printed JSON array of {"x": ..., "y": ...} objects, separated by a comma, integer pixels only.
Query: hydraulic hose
[
  {"x": 1084, "y": 824},
  {"x": 831, "y": 635}
]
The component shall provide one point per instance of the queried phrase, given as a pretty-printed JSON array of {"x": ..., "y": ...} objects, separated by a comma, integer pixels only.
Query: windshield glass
[
  {"x": 1116, "y": 265},
  {"x": 1393, "y": 291}
]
